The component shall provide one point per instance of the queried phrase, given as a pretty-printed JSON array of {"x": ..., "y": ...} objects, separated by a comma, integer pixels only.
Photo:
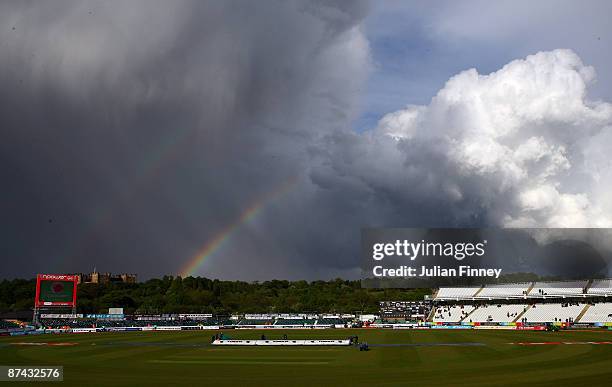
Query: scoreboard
[{"x": 56, "y": 290}]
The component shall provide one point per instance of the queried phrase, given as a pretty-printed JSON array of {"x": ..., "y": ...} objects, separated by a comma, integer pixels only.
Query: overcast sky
[{"x": 260, "y": 137}]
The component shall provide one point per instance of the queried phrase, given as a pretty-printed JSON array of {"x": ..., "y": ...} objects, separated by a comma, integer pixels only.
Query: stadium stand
[
  {"x": 295, "y": 321},
  {"x": 505, "y": 290},
  {"x": 245, "y": 321},
  {"x": 147, "y": 323},
  {"x": 535, "y": 313},
  {"x": 67, "y": 323},
  {"x": 542, "y": 313},
  {"x": 116, "y": 323},
  {"x": 100, "y": 323},
  {"x": 579, "y": 301},
  {"x": 456, "y": 293},
  {"x": 601, "y": 287},
  {"x": 567, "y": 288},
  {"x": 598, "y": 313},
  {"x": 496, "y": 313},
  {"x": 452, "y": 313},
  {"x": 206, "y": 322},
  {"x": 543, "y": 289}
]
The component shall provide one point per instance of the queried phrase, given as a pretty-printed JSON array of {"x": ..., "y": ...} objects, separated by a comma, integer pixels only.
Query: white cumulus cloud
[{"x": 520, "y": 147}]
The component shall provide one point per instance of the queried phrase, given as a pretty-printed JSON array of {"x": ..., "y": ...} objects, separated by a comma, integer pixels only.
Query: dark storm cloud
[{"x": 134, "y": 131}]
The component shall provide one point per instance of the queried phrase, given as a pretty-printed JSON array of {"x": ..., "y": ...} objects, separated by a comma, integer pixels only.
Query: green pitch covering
[
  {"x": 56, "y": 291},
  {"x": 470, "y": 358}
]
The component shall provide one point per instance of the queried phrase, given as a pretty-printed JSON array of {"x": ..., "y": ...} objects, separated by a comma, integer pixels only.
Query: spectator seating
[
  {"x": 542, "y": 289},
  {"x": 496, "y": 313},
  {"x": 246, "y": 321},
  {"x": 68, "y": 323},
  {"x": 601, "y": 287},
  {"x": 541, "y": 313},
  {"x": 294, "y": 321},
  {"x": 456, "y": 293},
  {"x": 566, "y": 288},
  {"x": 452, "y": 313},
  {"x": 505, "y": 290},
  {"x": 88, "y": 323},
  {"x": 601, "y": 312}
]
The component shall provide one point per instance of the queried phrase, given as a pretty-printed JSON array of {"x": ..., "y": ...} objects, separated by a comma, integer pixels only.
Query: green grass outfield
[{"x": 187, "y": 358}]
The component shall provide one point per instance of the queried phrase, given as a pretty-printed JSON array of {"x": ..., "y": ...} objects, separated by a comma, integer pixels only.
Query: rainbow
[{"x": 218, "y": 241}]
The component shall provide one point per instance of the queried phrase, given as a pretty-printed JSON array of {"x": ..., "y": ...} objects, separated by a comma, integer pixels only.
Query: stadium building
[
  {"x": 586, "y": 301},
  {"x": 538, "y": 304}
]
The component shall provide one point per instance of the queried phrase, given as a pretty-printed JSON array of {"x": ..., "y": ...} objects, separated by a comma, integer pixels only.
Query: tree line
[{"x": 202, "y": 295}]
